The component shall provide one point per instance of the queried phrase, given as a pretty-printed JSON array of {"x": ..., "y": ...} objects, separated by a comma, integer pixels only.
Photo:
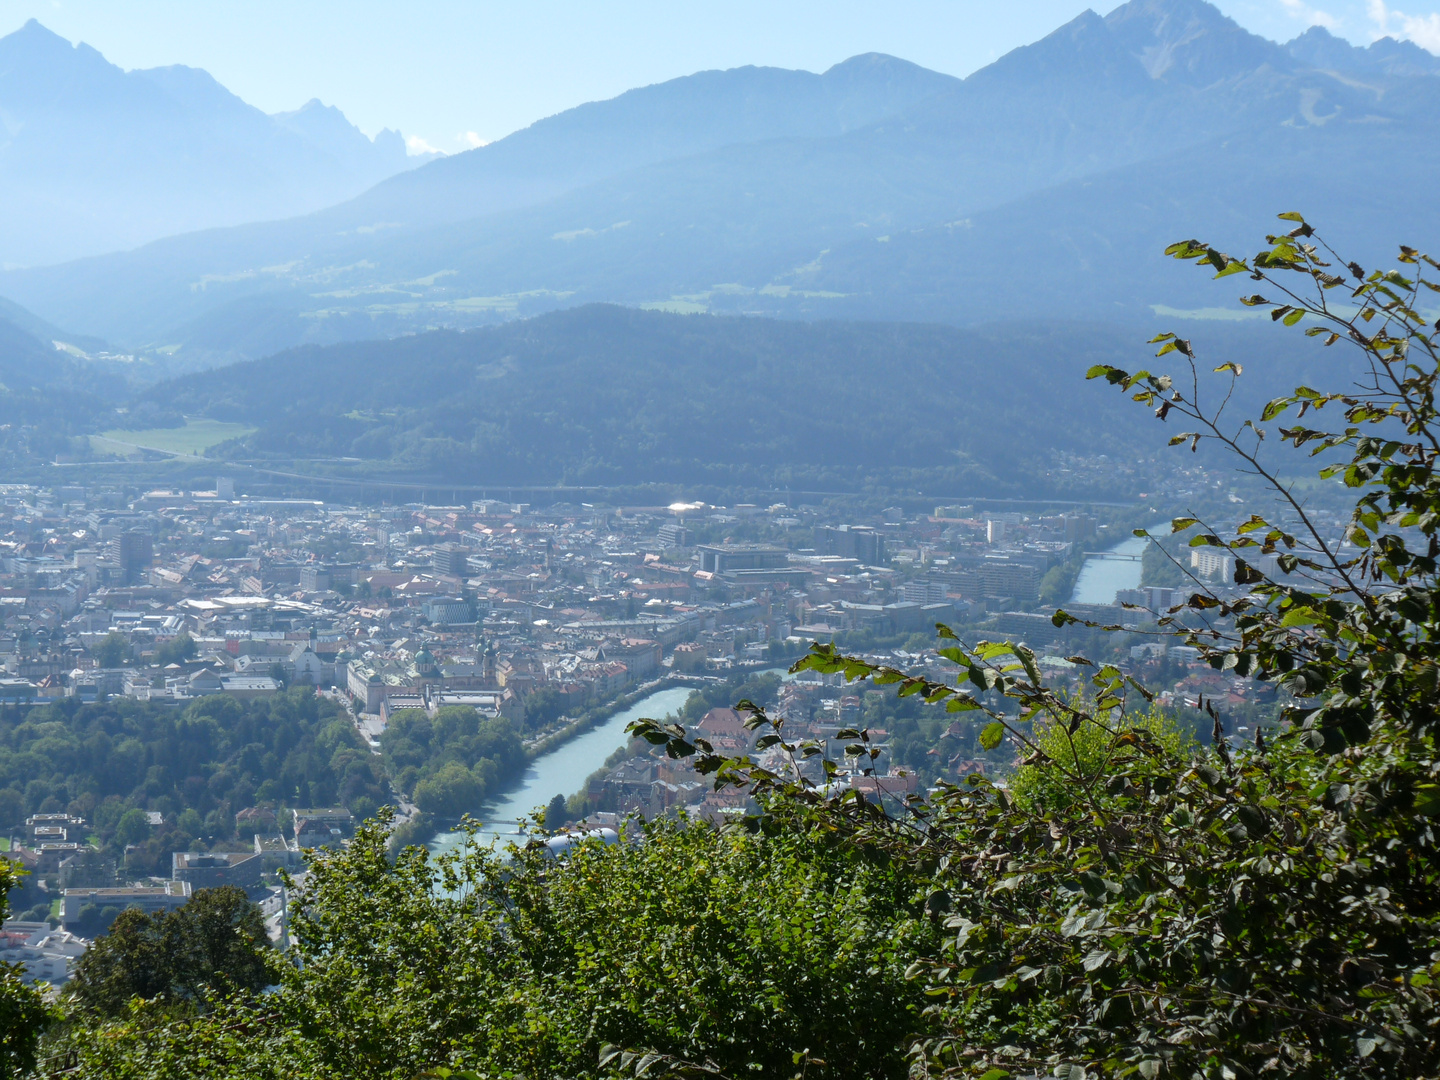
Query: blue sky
[{"x": 460, "y": 72}]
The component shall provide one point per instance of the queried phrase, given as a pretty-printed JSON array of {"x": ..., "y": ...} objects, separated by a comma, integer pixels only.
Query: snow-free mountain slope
[
  {"x": 1048, "y": 181},
  {"x": 682, "y": 117},
  {"x": 1318, "y": 48},
  {"x": 94, "y": 159}
]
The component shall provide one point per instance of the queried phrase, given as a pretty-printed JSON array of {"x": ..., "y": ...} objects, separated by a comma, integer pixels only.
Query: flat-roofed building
[
  {"x": 149, "y": 899},
  {"x": 249, "y": 686},
  {"x": 725, "y": 558},
  {"x": 210, "y": 870},
  {"x": 448, "y": 610},
  {"x": 275, "y": 853},
  {"x": 320, "y": 826},
  {"x": 44, "y": 955},
  {"x": 860, "y": 542}
]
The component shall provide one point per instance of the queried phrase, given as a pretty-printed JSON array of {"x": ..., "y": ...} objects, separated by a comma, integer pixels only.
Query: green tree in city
[
  {"x": 451, "y": 791},
  {"x": 132, "y": 828},
  {"x": 543, "y": 707},
  {"x": 557, "y": 813},
  {"x": 112, "y": 650},
  {"x": 183, "y": 648}
]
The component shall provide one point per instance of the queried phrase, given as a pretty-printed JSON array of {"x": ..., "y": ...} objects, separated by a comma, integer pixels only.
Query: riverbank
[
  {"x": 419, "y": 828},
  {"x": 564, "y": 769},
  {"x": 587, "y": 720}
]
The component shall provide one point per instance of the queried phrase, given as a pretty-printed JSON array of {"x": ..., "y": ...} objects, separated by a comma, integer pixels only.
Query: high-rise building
[
  {"x": 133, "y": 551},
  {"x": 1078, "y": 526},
  {"x": 315, "y": 578},
  {"x": 452, "y": 559},
  {"x": 1005, "y": 577},
  {"x": 924, "y": 592},
  {"x": 851, "y": 542},
  {"x": 1160, "y": 598}
]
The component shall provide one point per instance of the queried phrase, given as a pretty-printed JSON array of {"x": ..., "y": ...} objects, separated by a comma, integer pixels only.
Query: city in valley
[{"x": 536, "y": 620}]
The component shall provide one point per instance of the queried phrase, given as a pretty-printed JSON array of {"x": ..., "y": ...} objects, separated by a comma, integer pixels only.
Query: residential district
[{"x": 171, "y": 596}]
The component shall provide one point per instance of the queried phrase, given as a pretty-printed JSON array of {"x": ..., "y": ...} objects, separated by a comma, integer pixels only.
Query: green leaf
[
  {"x": 992, "y": 734},
  {"x": 1274, "y": 409},
  {"x": 1096, "y": 959},
  {"x": 1186, "y": 249}
]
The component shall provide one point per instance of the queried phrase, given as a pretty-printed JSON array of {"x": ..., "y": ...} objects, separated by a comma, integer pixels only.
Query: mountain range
[
  {"x": 94, "y": 158},
  {"x": 1047, "y": 181}
]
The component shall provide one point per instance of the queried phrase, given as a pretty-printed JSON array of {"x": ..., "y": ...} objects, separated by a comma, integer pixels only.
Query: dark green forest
[
  {"x": 605, "y": 395},
  {"x": 610, "y": 395},
  {"x": 616, "y": 396}
]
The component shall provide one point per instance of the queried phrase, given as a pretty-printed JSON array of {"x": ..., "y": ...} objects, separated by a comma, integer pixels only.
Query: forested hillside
[
  {"x": 607, "y": 395},
  {"x": 47, "y": 397}
]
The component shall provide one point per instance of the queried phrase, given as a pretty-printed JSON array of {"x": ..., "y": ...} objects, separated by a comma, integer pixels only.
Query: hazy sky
[{"x": 453, "y": 74}]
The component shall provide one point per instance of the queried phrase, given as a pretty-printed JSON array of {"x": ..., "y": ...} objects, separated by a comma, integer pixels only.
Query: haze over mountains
[
  {"x": 1048, "y": 180},
  {"x": 93, "y": 158}
]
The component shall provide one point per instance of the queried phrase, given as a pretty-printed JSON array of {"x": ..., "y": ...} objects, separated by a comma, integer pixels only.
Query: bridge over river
[{"x": 1104, "y": 573}]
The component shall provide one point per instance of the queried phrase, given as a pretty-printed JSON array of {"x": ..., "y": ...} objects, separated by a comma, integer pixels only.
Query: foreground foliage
[
  {"x": 23, "y": 1013},
  {"x": 215, "y": 943},
  {"x": 727, "y": 947}
]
